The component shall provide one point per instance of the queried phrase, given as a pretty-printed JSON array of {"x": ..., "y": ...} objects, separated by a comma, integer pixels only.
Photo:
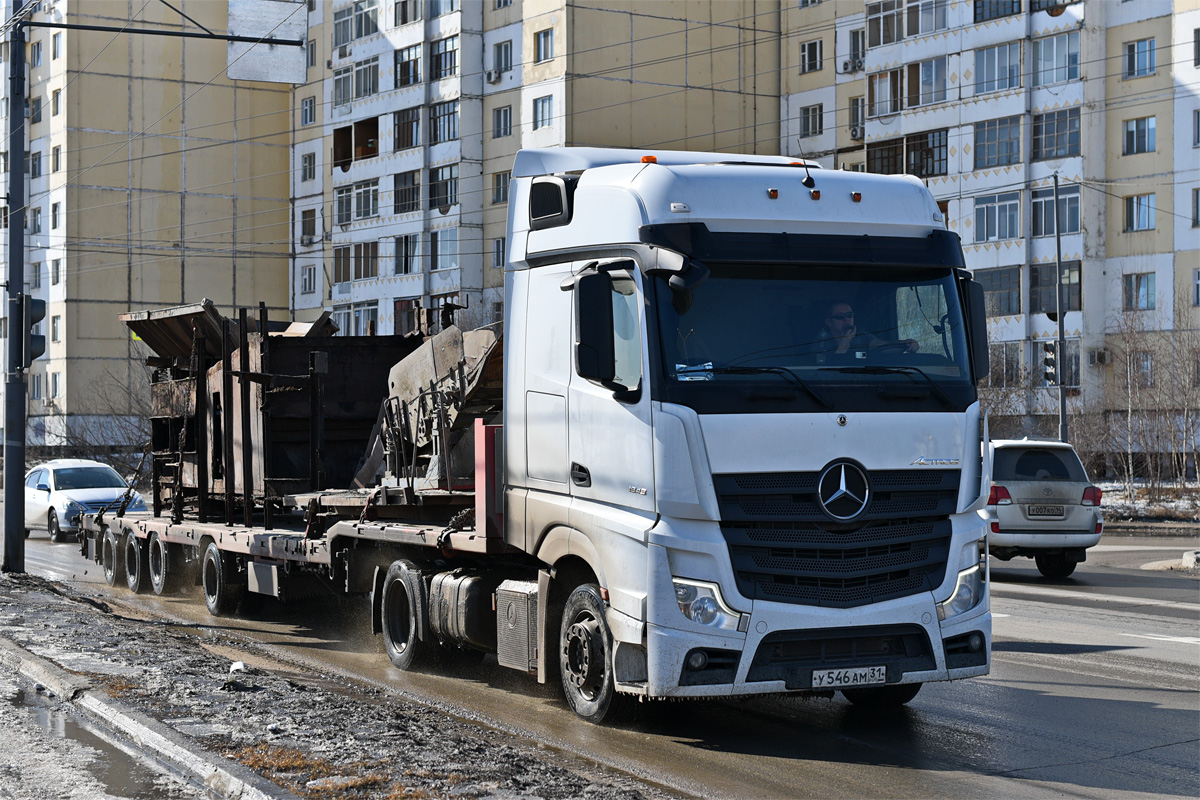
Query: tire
[
  {"x": 52, "y": 526},
  {"x": 223, "y": 587},
  {"x": 112, "y": 558},
  {"x": 164, "y": 563},
  {"x": 1054, "y": 565},
  {"x": 137, "y": 564},
  {"x": 405, "y": 616},
  {"x": 585, "y": 651},
  {"x": 882, "y": 696}
]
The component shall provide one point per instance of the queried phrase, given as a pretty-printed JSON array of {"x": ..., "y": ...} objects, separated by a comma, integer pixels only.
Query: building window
[
  {"x": 56, "y": 328},
  {"x": 858, "y": 45},
  {"x": 408, "y": 192},
  {"x": 35, "y": 386},
  {"x": 310, "y": 54},
  {"x": 1001, "y": 290},
  {"x": 443, "y": 249},
  {"x": 341, "y": 267},
  {"x": 443, "y": 187},
  {"x": 55, "y": 45},
  {"x": 1006, "y": 364},
  {"x": 997, "y": 217},
  {"x": 500, "y": 187},
  {"x": 35, "y": 54},
  {"x": 812, "y": 120},
  {"x": 308, "y": 166},
  {"x": 1139, "y": 291},
  {"x": 407, "y": 253},
  {"x": 443, "y": 58},
  {"x": 886, "y": 158},
  {"x": 1056, "y": 59},
  {"x": 56, "y": 272},
  {"x": 406, "y": 316},
  {"x": 810, "y": 56},
  {"x": 1139, "y": 136},
  {"x": 858, "y": 112},
  {"x": 927, "y": 82},
  {"x": 1056, "y": 134},
  {"x": 366, "y": 77},
  {"x": 498, "y": 250},
  {"x": 1196, "y": 128},
  {"x": 343, "y": 86},
  {"x": 1196, "y": 284},
  {"x": 443, "y": 122},
  {"x": 308, "y": 111},
  {"x": 35, "y": 220},
  {"x": 408, "y": 66},
  {"x": 35, "y": 109},
  {"x": 366, "y": 199},
  {"x": 55, "y": 213},
  {"x": 407, "y": 128},
  {"x": 502, "y": 3},
  {"x": 501, "y": 122},
  {"x": 407, "y": 11},
  {"x": 35, "y": 164},
  {"x": 308, "y": 223},
  {"x": 366, "y": 18},
  {"x": 343, "y": 205},
  {"x": 55, "y": 102},
  {"x": 35, "y": 275},
  {"x": 543, "y": 111},
  {"x": 1143, "y": 368},
  {"x": 56, "y": 159},
  {"x": 884, "y": 93},
  {"x": 885, "y": 22},
  {"x": 439, "y": 7},
  {"x": 1139, "y": 58},
  {"x": 926, "y": 153},
  {"x": 926, "y": 16},
  {"x": 1043, "y": 210},
  {"x": 994, "y": 9},
  {"x": 1196, "y": 208},
  {"x": 997, "y": 142},
  {"x": 807, "y": 3},
  {"x": 1139, "y": 212},
  {"x": 998, "y": 68},
  {"x": 502, "y": 56},
  {"x": 1042, "y": 299},
  {"x": 543, "y": 45},
  {"x": 366, "y": 260},
  {"x": 308, "y": 279},
  {"x": 55, "y": 384},
  {"x": 343, "y": 26}
]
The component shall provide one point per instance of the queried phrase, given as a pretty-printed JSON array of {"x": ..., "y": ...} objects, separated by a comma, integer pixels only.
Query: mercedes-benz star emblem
[{"x": 843, "y": 491}]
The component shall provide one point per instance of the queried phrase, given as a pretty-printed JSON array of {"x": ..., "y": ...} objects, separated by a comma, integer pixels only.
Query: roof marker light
[
  {"x": 816, "y": 194},
  {"x": 649, "y": 159},
  {"x": 773, "y": 194},
  {"x": 856, "y": 197}
]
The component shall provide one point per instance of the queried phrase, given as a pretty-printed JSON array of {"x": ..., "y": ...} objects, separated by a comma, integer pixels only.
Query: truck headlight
[
  {"x": 968, "y": 591},
  {"x": 702, "y": 602}
]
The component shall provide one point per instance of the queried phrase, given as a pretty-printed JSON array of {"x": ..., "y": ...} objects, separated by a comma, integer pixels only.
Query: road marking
[
  {"x": 1128, "y": 548},
  {"x": 997, "y": 615},
  {"x": 1009, "y": 589},
  {"x": 1156, "y": 637}
]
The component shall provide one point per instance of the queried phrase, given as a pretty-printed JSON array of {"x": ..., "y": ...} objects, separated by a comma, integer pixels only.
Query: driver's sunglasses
[{"x": 844, "y": 315}]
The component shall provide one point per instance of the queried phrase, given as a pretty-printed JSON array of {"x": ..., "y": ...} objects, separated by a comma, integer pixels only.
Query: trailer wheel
[
  {"x": 137, "y": 567},
  {"x": 111, "y": 558},
  {"x": 219, "y": 575},
  {"x": 882, "y": 696},
  {"x": 405, "y": 616},
  {"x": 585, "y": 655},
  {"x": 165, "y": 564}
]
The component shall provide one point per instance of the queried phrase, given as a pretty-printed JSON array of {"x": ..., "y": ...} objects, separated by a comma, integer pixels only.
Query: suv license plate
[
  {"x": 858, "y": 676},
  {"x": 1045, "y": 511}
]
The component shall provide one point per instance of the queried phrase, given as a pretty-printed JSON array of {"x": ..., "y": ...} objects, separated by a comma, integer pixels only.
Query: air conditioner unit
[
  {"x": 306, "y": 241},
  {"x": 858, "y": 64},
  {"x": 856, "y": 132},
  {"x": 329, "y": 63},
  {"x": 1099, "y": 357},
  {"x": 847, "y": 66},
  {"x": 492, "y": 76}
]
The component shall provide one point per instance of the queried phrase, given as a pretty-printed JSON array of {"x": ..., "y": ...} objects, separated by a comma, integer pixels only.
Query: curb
[{"x": 219, "y": 775}]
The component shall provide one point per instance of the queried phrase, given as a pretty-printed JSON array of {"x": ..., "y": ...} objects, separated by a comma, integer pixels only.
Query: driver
[{"x": 840, "y": 334}]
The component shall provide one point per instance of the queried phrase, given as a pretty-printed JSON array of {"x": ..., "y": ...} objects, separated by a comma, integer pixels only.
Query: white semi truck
[{"x": 741, "y": 449}]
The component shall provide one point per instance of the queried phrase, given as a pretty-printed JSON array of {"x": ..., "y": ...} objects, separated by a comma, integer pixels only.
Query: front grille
[
  {"x": 785, "y": 549},
  {"x": 791, "y": 656}
]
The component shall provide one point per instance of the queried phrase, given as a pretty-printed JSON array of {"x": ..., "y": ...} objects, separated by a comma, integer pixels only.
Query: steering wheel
[{"x": 892, "y": 347}]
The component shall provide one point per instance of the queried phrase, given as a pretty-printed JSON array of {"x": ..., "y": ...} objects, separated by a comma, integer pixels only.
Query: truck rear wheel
[
  {"x": 585, "y": 655},
  {"x": 111, "y": 558},
  {"x": 405, "y": 616},
  {"x": 222, "y": 588},
  {"x": 137, "y": 567},
  {"x": 882, "y": 696},
  {"x": 1054, "y": 565},
  {"x": 165, "y": 564}
]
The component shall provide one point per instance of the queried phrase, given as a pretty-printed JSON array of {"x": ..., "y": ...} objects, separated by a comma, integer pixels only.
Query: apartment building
[
  {"x": 989, "y": 100},
  {"x": 152, "y": 180},
  {"x": 406, "y": 131}
]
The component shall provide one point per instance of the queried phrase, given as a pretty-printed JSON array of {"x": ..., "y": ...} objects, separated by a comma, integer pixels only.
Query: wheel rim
[
  {"x": 398, "y": 615},
  {"x": 584, "y": 656},
  {"x": 52, "y": 523}
]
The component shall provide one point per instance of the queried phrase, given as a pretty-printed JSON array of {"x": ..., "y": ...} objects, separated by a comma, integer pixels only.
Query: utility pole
[
  {"x": 1062, "y": 349},
  {"x": 14, "y": 376}
]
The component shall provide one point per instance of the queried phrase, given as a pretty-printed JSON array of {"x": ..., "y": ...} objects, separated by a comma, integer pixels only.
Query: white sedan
[{"x": 58, "y": 492}]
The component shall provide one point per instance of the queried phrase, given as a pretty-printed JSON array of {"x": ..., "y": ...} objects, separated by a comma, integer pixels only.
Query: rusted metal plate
[{"x": 168, "y": 331}]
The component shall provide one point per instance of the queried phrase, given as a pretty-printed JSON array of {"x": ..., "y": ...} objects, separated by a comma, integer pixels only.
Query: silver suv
[{"x": 1042, "y": 505}]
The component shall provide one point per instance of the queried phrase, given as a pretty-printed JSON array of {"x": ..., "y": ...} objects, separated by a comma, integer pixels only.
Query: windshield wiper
[
  {"x": 782, "y": 371},
  {"x": 941, "y": 394}
]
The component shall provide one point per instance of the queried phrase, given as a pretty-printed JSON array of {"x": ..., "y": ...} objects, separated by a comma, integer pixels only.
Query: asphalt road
[{"x": 1094, "y": 692}]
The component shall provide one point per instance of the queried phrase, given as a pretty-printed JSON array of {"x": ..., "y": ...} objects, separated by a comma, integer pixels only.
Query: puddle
[{"x": 119, "y": 773}]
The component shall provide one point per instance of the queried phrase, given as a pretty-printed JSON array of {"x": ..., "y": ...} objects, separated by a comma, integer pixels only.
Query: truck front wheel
[
  {"x": 405, "y": 616},
  {"x": 222, "y": 589},
  {"x": 585, "y": 655},
  {"x": 882, "y": 696}
]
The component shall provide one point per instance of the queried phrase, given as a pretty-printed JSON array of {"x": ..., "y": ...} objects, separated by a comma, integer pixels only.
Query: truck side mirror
[
  {"x": 977, "y": 309},
  {"x": 595, "y": 356}
]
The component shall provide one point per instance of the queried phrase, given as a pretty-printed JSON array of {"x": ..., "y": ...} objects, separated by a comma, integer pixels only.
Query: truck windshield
[{"x": 770, "y": 337}]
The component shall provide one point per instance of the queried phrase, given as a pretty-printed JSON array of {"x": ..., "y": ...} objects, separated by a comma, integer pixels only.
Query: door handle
[{"x": 580, "y": 475}]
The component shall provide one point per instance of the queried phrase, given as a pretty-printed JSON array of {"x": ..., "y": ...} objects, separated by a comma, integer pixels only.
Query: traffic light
[
  {"x": 1050, "y": 362},
  {"x": 34, "y": 344}
]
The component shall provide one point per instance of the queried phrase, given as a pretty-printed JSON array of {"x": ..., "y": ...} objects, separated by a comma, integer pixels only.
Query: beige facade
[{"x": 154, "y": 181}]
